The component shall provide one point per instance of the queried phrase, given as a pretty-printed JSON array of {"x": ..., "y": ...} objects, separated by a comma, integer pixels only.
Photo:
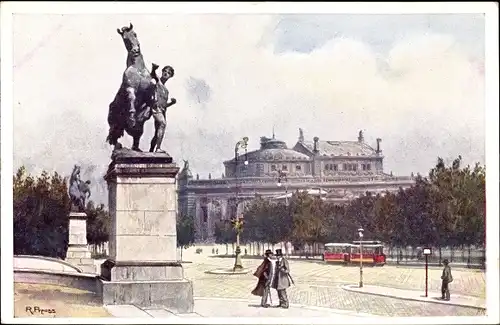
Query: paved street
[
  {"x": 224, "y": 308},
  {"x": 320, "y": 285}
]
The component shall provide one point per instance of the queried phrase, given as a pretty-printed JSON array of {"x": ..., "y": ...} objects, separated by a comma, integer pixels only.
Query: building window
[
  {"x": 298, "y": 167},
  {"x": 273, "y": 168},
  {"x": 331, "y": 167},
  {"x": 284, "y": 168}
]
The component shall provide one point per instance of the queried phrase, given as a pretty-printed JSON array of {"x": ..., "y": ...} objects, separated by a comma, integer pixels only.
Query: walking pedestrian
[
  {"x": 282, "y": 279},
  {"x": 264, "y": 273},
  {"x": 446, "y": 278}
]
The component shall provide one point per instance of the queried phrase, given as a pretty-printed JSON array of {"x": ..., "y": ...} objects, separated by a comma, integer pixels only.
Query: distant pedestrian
[
  {"x": 213, "y": 251},
  {"x": 264, "y": 273},
  {"x": 282, "y": 279},
  {"x": 217, "y": 251},
  {"x": 446, "y": 278},
  {"x": 245, "y": 251}
]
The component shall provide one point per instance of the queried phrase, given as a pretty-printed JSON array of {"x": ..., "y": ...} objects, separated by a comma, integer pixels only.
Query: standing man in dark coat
[
  {"x": 281, "y": 279},
  {"x": 264, "y": 273},
  {"x": 446, "y": 279}
]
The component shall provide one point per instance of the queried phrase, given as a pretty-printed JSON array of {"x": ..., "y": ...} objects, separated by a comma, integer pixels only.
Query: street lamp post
[
  {"x": 283, "y": 179},
  {"x": 360, "y": 233},
  {"x": 236, "y": 220}
]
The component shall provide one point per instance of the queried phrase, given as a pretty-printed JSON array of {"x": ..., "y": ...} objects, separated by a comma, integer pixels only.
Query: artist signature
[{"x": 36, "y": 310}]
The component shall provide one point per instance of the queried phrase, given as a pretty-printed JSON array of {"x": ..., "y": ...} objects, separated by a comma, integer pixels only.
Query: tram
[
  {"x": 373, "y": 253},
  {"x": 350, "y": 254},
  {"x": 337, "y": 253}
]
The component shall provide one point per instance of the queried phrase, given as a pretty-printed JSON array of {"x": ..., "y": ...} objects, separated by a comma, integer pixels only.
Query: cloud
[{"x": 424, "y": 95}]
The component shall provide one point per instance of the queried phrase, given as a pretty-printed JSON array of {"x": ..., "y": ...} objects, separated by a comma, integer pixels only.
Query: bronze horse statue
[{"x": 132, "y": 104}]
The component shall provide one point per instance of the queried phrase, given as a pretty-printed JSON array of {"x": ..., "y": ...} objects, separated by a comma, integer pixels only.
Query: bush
[{"x": 199, "y": 250}]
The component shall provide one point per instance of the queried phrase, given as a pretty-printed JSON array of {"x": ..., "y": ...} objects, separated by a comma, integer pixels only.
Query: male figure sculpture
[{"x": 159, "y": 110}]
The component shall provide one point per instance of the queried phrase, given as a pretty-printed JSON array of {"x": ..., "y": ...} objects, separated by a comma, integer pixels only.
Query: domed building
[{"x": 338, "y": 171}]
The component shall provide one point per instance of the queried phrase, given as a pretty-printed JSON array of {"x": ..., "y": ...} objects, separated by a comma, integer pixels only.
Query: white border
[{"x": 492, "y": 145}]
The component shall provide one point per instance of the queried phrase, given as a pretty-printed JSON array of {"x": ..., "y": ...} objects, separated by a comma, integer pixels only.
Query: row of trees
[{"x": 447, "y": 208}]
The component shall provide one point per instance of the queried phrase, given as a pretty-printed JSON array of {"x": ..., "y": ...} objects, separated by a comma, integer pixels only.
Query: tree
[
  {"x": 185, "y": 232},
  {"x": 223, "y": 233},
  {"x": 41, "y": 214},
  {"x": 362, "y": 213},
  {"x": 308, "y": 219},
  {"x": 98, "y": 224}
]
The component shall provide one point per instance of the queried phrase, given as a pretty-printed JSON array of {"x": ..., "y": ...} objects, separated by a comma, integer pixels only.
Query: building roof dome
[{"x": 272, "y": 150}]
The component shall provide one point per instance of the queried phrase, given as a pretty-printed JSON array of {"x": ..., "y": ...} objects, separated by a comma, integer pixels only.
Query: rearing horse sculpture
[{"x": 132, "y": 104}]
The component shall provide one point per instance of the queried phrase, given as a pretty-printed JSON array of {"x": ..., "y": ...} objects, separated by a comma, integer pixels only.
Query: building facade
[{"x": 337, "y": 170}]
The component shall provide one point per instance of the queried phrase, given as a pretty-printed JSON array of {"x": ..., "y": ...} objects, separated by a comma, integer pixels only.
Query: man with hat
[
  {"x": 446, "y": 279},
  {"x": 264, "y": 273},
  {"x": 281, "y": 278}
]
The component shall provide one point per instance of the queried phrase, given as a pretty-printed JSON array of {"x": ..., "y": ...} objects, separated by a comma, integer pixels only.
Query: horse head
[{"x": 130, "y": 39}]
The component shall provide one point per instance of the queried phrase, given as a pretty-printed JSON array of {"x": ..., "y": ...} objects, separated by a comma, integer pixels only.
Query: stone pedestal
[
  {"x": 78, "y": 253},
  {"x": 142, "y": 268}
]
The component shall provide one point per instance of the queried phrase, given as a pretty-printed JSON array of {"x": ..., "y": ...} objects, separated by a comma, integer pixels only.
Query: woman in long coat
[{"x": 263, "y": 272}]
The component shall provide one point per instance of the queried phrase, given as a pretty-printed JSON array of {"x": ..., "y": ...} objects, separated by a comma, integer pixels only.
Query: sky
[{"x": 415, "y": 81}]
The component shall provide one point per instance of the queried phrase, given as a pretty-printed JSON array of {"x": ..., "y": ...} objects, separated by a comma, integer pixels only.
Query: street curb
[
  {"x": 348, "y": 288},
  {"x": 473, "y": 268},
  {"x": 228, "y": 272}
]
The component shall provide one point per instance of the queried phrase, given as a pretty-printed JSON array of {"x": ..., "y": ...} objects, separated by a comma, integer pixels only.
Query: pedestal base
[
  {"x": 80, "y": 256},
  {"x": 174, "y": 296},
  {"x": 141, "y": 271}
]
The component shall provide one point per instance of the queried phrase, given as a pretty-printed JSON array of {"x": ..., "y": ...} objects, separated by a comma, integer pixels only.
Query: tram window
[
  {"x": 335, "y": 167},
  {"x": 368, "y": 167},
  {"x": 368, "y": 250},
  {"x": 273, "y": 168},
  {"x": 298, "y": 167}
]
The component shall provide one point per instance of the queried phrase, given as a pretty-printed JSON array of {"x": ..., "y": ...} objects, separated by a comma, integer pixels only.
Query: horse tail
[
  {"x": 115, "y": 129},
  {"x": 114, "y": 134}
]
